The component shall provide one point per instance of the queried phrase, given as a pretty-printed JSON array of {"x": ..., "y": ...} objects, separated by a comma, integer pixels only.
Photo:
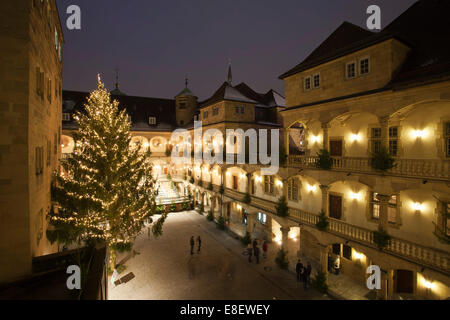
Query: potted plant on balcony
[
  {"x": 210, "y": 186},
  {"x": 382, "y": 160},
  {"x": 221, "y": 189},
  {"x": 322, "y": 223},
  {"x": 281, "y": 207},
  {"x": 381, "y": 238},
  {"x": 324, "y": 160},
  {"x": 247, "y": 198},
  {"x": 191, "y": 180}
]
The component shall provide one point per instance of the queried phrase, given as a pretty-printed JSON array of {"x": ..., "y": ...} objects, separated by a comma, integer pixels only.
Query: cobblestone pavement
[{"x": 164, "y": 269}]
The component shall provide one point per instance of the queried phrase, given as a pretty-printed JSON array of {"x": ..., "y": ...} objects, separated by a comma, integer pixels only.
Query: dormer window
[
  {"x": 152, "y": 121},
  {"x": 205, "y": 114},
  {"x": 66, "y": 117}
]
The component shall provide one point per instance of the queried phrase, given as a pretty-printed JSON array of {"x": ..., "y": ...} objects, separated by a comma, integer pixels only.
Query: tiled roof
[
  {"x": 227, "y": 92},
  {"x": 139, "y": 108}
]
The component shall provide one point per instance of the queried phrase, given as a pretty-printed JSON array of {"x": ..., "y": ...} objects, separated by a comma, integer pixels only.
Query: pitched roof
[
  {"x": 269, "y": 99},
  {"x": 227, "y": 92},
  {"x": 345, "y": 35},
  {"x": 140, "y": 110}
]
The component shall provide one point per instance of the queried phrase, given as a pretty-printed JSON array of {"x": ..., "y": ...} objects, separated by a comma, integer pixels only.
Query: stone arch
[
  {"x": 139, "y": 140},
  {"x": 158, "y": 144}
]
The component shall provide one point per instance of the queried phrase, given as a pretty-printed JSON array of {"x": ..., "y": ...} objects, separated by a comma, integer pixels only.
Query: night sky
[{"x": 155, "y": 43}]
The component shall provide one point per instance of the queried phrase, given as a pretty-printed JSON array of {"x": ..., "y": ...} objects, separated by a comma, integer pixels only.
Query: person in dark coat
[
  {"x": 249, "y": 252},
  {"x": 192, "y": 242},
  {"x": 255, "y": 244},
  {"x": 307, "y": 275},
  {"x": 256, "y": 251},
  {"x": 299, "y": 269},
  {"x": 199, "y": 241}
]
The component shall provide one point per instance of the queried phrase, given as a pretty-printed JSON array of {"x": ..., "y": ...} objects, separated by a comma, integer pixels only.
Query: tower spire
[
  {"x": 117, "y": 78},
  {"x": 230, "y": 73},
  {"x": 186, "y": 81}
]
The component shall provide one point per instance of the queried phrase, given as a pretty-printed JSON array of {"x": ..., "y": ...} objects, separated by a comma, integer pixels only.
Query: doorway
[
  {"x": 335, "y": 203},
  {"x": 404, "y": 281},
  {"x": 336, "y": 148}
]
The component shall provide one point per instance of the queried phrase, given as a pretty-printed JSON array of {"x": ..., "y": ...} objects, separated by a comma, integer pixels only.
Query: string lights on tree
[{"x": 107, "y": 192}]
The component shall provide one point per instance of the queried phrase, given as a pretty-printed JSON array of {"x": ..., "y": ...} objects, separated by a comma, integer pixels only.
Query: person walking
[
  {"x": 256, "y": 249},
  {"x": 249, "y": 252},
  {"x": 199, "y": 241},
  {"x": 299, "y": 269},
  {"x": 192, "y": 242},
  {"x": 307, "y": 275},
  {"x": 255, "y": 244},
  {"x": 337, "y": 265},
  {"x": 265, "y": 247}
]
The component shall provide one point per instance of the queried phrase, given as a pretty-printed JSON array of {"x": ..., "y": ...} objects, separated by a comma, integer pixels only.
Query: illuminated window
[
  {"x": 152, "y": 121},
  {"x": 392, "y": 208},
  {"x": 66, "y": 117},
  {"x": 215, "y": 111},
  {"x": 375, "y": 140},
  {"x": 269, "y": 184}
]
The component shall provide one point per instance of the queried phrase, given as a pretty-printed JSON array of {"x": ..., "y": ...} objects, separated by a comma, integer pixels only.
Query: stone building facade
[
  {"x": 356, "y": 94},
  {"x": 31, "y": 42}
]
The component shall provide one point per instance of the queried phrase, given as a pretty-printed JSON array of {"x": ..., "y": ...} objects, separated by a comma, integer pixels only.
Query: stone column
[
  {"x": 387, "y": 285},
  {"x": 284, "y": 238},
  {"x": 285, "y": 189},
  {"x": 286, "y": 140},
  {"x": 325, "y": 204},
  {"x": 384, "y": 123},
  {"x": 251, "y": 220},
  {"x": 384, "y": 200},
  {"x": 326, "y": 139},
  {"x": 324, "y": 261}
]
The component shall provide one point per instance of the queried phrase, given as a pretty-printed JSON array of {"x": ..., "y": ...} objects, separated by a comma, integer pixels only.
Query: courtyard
[{"x": 163, "y": 268}]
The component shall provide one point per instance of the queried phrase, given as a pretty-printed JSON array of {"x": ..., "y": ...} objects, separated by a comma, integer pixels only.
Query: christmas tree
[{"x": 105, "y": 191}]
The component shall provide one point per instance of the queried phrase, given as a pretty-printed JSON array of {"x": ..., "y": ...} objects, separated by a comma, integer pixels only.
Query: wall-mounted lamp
[
  {"x": 417, "y": 207},
  {"x": 428, "y": 284},
  {"x": 315, "y": 139},
  {"x": 279, "y": 183},
  {"x": 419, "y": 134},
  {"x": 355, "y": 137},
  {"x": 355, "y": 196},
  {"x": 311, "y": 188}
]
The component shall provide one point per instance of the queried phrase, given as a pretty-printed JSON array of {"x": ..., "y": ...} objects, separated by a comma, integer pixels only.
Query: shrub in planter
[
  {"x": 160, "y": 209},
  {"x": 381, "y": 238},
  {"x": 319, "y": 282},
  {"x": 246, "y": 240},
  {"x": 169, "y": 177},
  {"x": 173, "y": 207},
  {"x": 221, "y": 223},
  {"x": 281, "y": 207},
  {"x": 281, "y": 260},
  {"x": 210, "y": 216},
  {"x": 325, "y": 161},
  {"x": 382, "y": 160},
  {"x": 192, "y": 205},
  {"x": 168, "y": 153},
  {"x": 201, "y": 208},
  {"x": 323, "y": 222},
  {"x": 191, "y": 180},
  {"x": 184, "y": 206}
]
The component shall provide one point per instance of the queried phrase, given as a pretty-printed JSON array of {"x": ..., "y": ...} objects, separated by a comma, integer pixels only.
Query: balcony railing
[
  {"x": 422, "y": 168},
  {"x": 427, "y": 256}
]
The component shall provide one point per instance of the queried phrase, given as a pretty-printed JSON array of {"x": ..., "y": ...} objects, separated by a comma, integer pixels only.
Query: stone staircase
[{"x": 167, "y": 194}]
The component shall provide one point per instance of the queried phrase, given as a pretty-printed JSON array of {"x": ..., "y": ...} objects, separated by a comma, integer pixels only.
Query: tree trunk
[{"x": 112, "y": 259}]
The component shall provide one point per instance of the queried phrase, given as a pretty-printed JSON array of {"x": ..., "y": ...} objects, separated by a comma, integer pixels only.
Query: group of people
[
  {"x": 254, "y": 250},
  {"x": 192, "y": 243},
  {"x": 303, "y": 273}
]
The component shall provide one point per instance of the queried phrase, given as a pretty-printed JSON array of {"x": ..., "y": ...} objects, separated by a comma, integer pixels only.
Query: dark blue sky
[{"x": 155, "y": 43}]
